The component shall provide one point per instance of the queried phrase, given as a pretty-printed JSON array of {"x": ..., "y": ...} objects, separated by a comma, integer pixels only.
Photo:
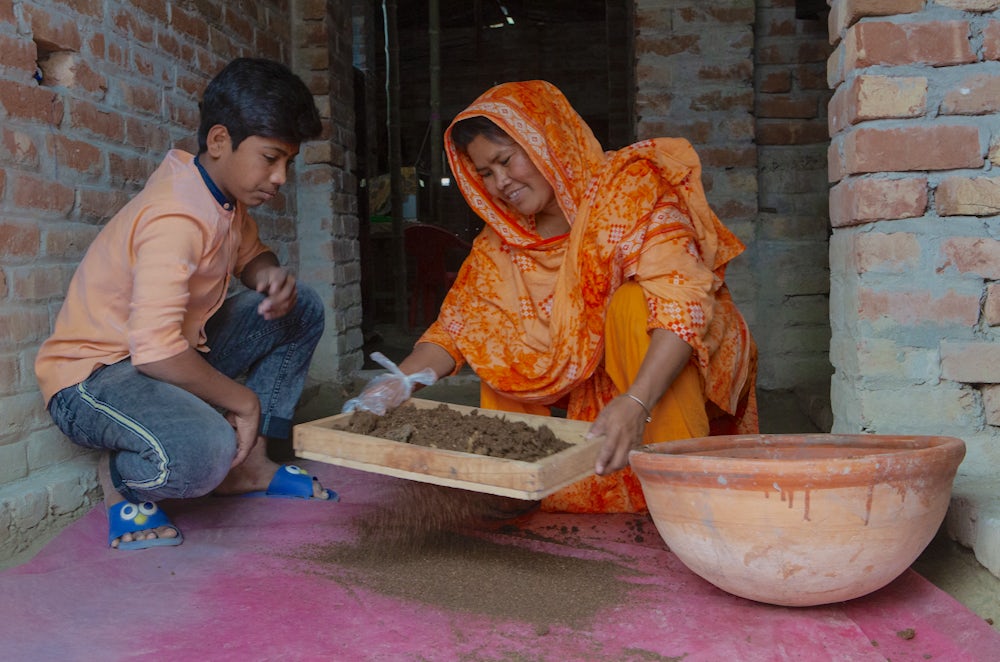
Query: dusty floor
[{"x": 950, "y": 566}]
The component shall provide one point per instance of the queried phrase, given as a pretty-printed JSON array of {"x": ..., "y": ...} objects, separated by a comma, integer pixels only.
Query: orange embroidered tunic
[{"x": 528, "y": 314}]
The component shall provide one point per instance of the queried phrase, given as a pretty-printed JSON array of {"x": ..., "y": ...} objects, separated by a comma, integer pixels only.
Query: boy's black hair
[
  {"x": 465, "y": 131},
  {"x": 258, "y": 97}
]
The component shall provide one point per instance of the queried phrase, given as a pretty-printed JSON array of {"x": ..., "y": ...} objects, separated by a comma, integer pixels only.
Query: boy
[{"x": 146, "y": 348}]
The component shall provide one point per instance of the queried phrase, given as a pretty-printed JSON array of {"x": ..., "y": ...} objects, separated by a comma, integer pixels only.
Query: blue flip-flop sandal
[
  {"x": 291, "y": 482},
  {"x": 127, "y": 517}
]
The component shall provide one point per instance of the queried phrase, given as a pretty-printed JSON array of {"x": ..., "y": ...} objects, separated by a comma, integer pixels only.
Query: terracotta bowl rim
[{"x": 905, "y": 455}]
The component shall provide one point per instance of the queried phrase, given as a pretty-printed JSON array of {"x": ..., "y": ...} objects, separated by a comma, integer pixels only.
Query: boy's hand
[
  {"x": 246, "y": 437},
  {"x": 278, "y": 285},
  {"x": 247, "y": 426}
]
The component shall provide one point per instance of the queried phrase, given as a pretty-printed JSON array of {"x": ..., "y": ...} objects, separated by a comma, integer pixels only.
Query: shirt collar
[{"x": 225, "y": 202}]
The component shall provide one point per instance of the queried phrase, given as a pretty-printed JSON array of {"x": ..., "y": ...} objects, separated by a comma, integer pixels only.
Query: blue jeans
[{"x": 167, "y": 443}]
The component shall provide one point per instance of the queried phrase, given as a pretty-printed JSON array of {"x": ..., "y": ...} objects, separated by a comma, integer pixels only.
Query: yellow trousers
[{"x": 679, "y": 414}]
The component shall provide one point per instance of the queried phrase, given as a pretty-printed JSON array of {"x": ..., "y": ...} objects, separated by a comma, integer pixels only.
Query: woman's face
[{"x": 510, "y": 176}]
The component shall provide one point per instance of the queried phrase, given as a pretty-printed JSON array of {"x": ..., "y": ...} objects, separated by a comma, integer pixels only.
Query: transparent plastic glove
[{"x": 388, "y": 391}]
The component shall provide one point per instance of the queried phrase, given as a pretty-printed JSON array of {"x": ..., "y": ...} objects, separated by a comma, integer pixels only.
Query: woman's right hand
[{"x": 386, "y": 392}]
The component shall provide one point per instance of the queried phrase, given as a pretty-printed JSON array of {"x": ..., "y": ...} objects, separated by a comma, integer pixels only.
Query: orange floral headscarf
[{"x": 528, "y": 313}]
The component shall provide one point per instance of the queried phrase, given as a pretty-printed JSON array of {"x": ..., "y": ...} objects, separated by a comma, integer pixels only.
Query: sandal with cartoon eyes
[{"x": 127, "y": 517}]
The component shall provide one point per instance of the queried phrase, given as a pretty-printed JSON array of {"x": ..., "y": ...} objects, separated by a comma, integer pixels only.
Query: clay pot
[{"x": 799, "y": 520}]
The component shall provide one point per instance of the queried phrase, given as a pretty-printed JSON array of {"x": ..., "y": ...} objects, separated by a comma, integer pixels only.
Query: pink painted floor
[{"x": 242, "y": 587}]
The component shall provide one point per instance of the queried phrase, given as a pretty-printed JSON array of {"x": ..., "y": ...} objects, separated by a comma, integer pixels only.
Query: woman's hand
[
  {"x": 387, "y": 391},
  {"x": 621, "y": 423}
]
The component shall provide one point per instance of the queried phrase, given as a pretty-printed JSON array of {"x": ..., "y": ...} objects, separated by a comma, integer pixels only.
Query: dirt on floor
[
  {"x": 468, "y": 552},
  {"x": 447, "y": 428}
]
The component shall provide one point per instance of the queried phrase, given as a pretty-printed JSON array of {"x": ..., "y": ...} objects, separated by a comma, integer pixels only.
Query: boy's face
[{"x": 254, "y": 171}]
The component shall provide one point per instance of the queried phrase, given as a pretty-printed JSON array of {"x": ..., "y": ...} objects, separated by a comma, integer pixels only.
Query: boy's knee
[
  {"x": 310, "y": 306},
  {"x": 205, "y": 470}
]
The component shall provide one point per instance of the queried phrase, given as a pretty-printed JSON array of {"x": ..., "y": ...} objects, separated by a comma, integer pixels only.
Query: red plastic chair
[{"x": 431, "y": 249}]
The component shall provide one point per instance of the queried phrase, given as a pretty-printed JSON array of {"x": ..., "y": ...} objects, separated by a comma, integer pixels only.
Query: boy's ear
[{"x": 218, "y": 141}]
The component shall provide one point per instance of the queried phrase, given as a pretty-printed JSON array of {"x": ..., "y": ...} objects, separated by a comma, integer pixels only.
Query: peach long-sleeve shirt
[{"x": 151, "y": 279}]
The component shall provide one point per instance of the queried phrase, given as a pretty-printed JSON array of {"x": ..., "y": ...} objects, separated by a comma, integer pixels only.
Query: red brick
[
  {"x": 88, "y": 79},
  {"x": 991, "y": 404},
  {"x": 971, "y": 362},
  {"x": 313, "y": 9},
  {"x": 87, "y": 8},
  {"x": 666, "y": 47},
  {"x": 19, "y": 240},
  {"x": 95, "y": 205},
  {"x": 70, "y": 241},
  {"x": 971, "y": 255},
  {"x": 728, "y": 157},
  {"x": 168, "y": 44},
  {"x": 918, "y": 147},
  {"x": 3, "y": 183},
  {"x": 18, "y": 53},
  {"x": 133, "y": 26},
  {"x": 7, "y": 12},
  {"x": 836, "y": 67},
  {"x": 143, "y": 134},
  {"x": 991, "y": 310},
  {"x": 835, "y": 160},
  {"x": 844, "y": 13},
  {"x": 85, "y": 115},
  {"x": 41, "y": 194},
  {"x": 18, "y": 148},
  {"x": 812, "y": 77},
  {"x": 141, "y": 98},
  {"x": 28, "y": 101},
  {"x": 40, "y": 284},
  {"x": 84, "y": 157},
  {"x": 728, "y": 100},
  {"x": 976, "y": 95},
  {"x": 117, "y": 55},
  {"x": 190, "y": 24},
  {"x": 919, "y": 307},
  {"x": 857, "y": 201},
  {"x": 778, "y": 26},
  {"x": 868, "y": 97},
  {"x": 157, "y": 9},
  {"x": 812, "y": 51},
  {"x": 714, "y": 15},
  {"x": 129, "y": 172},
  {"x": 238, "y": 25},
  {"x": 53, "y": 30},
  {"x": 991, "y": 40},
  {"x": 776, "y": 81},
  {"x": 741, "y": 72},
  {"x": 23, "y": 327},
  {"x": 968, "y": 196},
  {"x": 896, "y": 252},
  {"x": 937, "y": 43}
]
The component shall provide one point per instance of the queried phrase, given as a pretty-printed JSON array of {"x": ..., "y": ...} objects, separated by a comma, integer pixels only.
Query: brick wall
[
  {"x": 915, "y": 121},
  {"x": 119, "y": 86},
  {"x": 745, "y": 82}
]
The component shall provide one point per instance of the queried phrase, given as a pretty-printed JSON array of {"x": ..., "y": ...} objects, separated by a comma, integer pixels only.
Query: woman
[{"x": 596, "y": 287}]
